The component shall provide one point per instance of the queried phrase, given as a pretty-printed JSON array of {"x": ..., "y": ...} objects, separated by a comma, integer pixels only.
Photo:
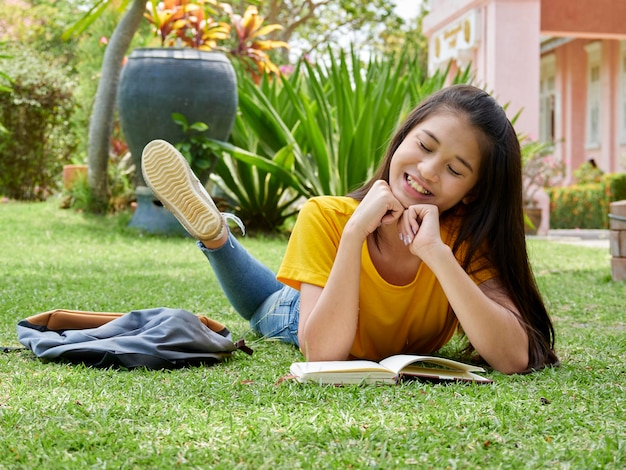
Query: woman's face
[{"x": 437, "y": 163}]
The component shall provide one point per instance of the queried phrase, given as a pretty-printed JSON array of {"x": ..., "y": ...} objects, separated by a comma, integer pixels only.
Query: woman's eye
[
  {"x": 453, "y": 171},
  {"x": 424, "y": 148}
]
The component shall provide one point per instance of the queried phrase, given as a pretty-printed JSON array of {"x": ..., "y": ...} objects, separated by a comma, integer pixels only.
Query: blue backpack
[{"x": 157, "y": 338}]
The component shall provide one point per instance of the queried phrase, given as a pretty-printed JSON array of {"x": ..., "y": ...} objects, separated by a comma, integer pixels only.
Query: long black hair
[{"x": 492, "y": 223}]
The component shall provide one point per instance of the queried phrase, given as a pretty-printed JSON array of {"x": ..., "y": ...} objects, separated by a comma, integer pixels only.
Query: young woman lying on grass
[{"x": 433, "y": 242}]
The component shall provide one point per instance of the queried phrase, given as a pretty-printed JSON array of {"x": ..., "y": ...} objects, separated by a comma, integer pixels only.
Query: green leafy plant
[
  {"x": 103, "y": 108},
  {"x": 588, "y": 172},
  {"x": 4, "y": 88},
  {"x": 196, "y": 146},
  {"x": 586, "y": 205},
  {"x": 36, "y": 114},
  {"x": 4, "y": 76},
  {"x": 78, "y": 196},
  {"x": 262, "y": 201},
  {"x": 321, "y": 130},
  {"x": 121, "y": 189}
]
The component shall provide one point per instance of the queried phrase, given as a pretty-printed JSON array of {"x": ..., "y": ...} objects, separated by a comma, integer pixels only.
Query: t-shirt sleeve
[{"x": 312, "y": 247}]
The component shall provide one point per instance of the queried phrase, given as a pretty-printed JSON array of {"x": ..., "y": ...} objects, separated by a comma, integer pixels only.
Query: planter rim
[{"x": 186, "y": 53}]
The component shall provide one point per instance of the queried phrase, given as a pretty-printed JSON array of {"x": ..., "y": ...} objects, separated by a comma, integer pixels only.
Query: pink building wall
[
  {"x": 572, "y": 82},
  {"x": 583, "y": 18},
  {"x": 512, "y": 37},
  {"x": 571, "y": 60},
  {"x": 496, "y": 43},
  {"x": 520, "y": 78}
]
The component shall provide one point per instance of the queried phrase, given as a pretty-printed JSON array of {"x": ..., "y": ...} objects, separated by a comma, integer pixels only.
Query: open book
[{"x": 390, "y": 370}]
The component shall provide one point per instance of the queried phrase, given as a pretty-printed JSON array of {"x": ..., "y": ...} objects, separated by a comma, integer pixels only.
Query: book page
[
  {"x": 399, "y": 362},
  {"x": 389, "y": 371},
  {"x": 338, "y": 367},
  {"x": 342, "y": 372}
]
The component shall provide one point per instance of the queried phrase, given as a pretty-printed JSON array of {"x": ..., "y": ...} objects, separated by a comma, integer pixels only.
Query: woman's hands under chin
[
  {"x": 419, "y": 228},
  {"x": 378, "y": 207}
]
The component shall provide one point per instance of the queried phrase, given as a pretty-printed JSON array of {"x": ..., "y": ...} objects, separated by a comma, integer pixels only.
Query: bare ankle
[{"x": 216, "y": 242}]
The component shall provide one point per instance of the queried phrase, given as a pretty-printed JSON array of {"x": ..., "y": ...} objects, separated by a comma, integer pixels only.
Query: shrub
[
  {"x": 586, "y": 205},
  {"x": 35, "y": 113},
  {"x": 5, "y": 82},
  {"x": 588, "y": 172},
  {"x": 616, "y": 187},
  {"x": 121, "y": 190}
]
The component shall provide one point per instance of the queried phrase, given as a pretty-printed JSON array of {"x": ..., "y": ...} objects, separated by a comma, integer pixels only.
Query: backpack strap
[
  {"x": 241, "y": 346},
  {"x": 222, "y": 330}
]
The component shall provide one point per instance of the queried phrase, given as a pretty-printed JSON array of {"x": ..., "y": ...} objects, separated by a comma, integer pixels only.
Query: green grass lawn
[{"x": 237, "y": 415}]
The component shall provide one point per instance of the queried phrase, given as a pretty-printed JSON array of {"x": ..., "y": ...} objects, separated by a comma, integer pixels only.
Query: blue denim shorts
[{"x": 278, "y": 316}]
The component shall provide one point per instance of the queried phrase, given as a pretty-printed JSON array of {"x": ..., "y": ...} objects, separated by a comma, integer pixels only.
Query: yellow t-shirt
[{"x": 414, "y": 318}]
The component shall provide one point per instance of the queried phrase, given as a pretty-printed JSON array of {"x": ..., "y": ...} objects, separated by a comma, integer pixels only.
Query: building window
[
  {"x": 622, "y": 98},
  {"x": 594, "y": 94},
  {"x": 547, "y": 110}
]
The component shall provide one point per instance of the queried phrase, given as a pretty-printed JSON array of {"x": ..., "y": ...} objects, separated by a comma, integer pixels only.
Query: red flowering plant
[
  {"x": 185, "y": 23},
  {"x": 249, "y": 45},
  {"x": 539, "y": 168},
  {"x": 209, "y": 25}
]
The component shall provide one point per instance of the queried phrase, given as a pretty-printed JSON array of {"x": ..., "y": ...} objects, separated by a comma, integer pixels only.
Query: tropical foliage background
[
  {"x": 321, "y": 130},
  {"x": 322, "y": 84},
  {"x": 295, "y": 134}
]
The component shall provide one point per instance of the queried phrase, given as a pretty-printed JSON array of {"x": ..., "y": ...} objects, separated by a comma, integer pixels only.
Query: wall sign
[{"x": 457, "y": 41}]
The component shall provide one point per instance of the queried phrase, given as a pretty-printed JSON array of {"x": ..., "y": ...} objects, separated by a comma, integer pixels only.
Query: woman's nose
[{"x": 429, "y": 169}]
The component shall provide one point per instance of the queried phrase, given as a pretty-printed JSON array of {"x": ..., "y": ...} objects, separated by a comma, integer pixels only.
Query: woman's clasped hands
[
  {"x": 418, "y": 227},
  {"x": 417, "y": 224},
  {"x": 379, "y": 207}
]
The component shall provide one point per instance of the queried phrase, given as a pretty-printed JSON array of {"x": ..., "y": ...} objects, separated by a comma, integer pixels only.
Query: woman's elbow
[
  {"x": 319, "y": 352},
  {"x": 511, "y": 365}
]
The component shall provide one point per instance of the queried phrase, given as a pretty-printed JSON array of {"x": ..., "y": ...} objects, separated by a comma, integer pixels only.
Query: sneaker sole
[{"x": 170, "y": 178}]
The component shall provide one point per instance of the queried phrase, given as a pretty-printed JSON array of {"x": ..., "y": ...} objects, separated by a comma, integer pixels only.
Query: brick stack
[{"x": 617, "y": 221}]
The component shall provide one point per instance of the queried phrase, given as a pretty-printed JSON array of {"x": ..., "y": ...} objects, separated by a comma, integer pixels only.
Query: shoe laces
[{"x": 236, "y": 220}]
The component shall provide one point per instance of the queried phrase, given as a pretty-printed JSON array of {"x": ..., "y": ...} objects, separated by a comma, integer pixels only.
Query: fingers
[
  {"x": 408, "y": 226},
  {"x": 381, "y": 200},
  {"x": 394, "y": 212},
  {"x": 422, "y": 220},
  {"x": 378, "y": 207}
]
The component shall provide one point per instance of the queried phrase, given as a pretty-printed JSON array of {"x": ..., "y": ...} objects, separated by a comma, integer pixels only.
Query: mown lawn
[{"x": 238, "y": 415}]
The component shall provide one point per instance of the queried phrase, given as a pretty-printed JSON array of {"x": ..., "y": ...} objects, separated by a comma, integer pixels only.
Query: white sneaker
[{"x": 173, "y": 182}]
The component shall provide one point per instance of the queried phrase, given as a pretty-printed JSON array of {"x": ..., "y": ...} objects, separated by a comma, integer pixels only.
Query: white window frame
[
  {"x": 548, "y": 99},
  {"x": 594, "y": 95}
]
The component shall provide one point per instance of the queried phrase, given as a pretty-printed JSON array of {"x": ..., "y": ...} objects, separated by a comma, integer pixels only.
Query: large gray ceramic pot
[{"x": 155, "y": 83}]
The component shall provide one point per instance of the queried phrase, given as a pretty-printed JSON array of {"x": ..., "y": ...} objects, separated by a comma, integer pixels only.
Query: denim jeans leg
[
  {"x": 278, "y": 316},
  {"x": 246, "y": 282}
]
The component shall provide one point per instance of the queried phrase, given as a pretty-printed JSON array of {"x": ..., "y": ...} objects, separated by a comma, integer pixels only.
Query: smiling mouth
[{"x": 417, "y": 187}]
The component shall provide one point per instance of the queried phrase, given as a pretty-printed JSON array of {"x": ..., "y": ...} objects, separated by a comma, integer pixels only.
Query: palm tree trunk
[{"x": 101, "y": 124}]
